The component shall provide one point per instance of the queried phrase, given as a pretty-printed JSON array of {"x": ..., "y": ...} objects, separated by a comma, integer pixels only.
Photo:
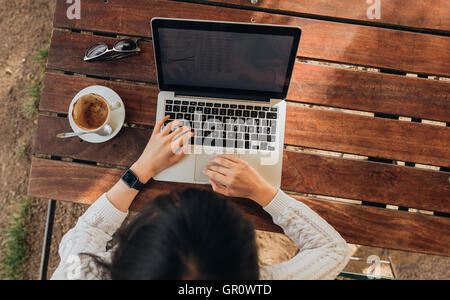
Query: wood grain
[
  {"x": 415, "y": 14},
  {"x": 304, "y": 173},
  {"x": 324, "y": 40},
  {"x": 67, "y": 51},
  {"x": 374, "y": 92},
  {"x": 357, "y": 224},
  {"x": 390, "y": 139}
]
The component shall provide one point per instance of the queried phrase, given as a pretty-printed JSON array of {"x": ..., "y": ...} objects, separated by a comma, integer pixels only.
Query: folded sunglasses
[{"x": 121, "y": 49}]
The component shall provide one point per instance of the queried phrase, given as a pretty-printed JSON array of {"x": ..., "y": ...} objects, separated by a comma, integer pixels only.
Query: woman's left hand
[{"x": 165, "y": 148}]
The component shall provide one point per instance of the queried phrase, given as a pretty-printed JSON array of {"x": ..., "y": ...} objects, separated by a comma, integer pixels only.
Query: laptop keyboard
[{"x": 227, "y": 125}]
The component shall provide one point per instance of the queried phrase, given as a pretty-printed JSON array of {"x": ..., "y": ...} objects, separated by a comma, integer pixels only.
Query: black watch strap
[{"x": 132, "y": 181}]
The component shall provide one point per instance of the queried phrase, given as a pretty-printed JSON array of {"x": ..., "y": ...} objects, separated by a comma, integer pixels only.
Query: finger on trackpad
[{"x": 201, "y": 162}]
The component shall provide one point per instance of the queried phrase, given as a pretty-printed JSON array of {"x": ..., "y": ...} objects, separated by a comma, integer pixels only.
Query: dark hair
[{"x": 194, "y": 234}]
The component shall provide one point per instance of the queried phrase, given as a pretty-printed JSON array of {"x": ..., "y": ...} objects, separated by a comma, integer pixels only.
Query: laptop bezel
[{"x": 295, "y": 32}]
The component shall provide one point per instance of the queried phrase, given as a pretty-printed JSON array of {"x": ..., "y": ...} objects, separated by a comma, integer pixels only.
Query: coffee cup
[{"x": 91, "y": 113}]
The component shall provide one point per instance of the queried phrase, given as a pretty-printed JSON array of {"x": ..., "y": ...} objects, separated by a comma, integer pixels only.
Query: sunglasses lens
[
  {"x": 126, "y": 45},
  {"x": 96, "y": 50}
]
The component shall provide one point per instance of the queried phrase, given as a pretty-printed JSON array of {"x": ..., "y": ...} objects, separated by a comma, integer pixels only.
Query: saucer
[{"x": 117, "y": 116}]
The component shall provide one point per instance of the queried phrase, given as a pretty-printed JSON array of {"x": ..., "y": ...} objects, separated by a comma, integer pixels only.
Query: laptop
[{"x": 228, "y": 82}]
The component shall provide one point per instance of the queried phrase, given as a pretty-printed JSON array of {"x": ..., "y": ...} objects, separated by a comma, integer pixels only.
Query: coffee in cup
[{"x": 91, "y": 112}]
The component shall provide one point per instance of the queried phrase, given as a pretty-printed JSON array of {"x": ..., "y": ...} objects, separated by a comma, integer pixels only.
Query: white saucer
[{"x": 117, "y": 116}]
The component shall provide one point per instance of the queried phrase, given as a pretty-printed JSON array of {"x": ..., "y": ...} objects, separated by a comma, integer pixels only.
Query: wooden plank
[
  {"x": 358, "y": 224},
  {"x": 304, "y": 173},
  {"x": 367, "y": 181},
  {"x": 67, "y": 51},
  {"x": 59, "y": 90},
  {"x": 324, "y": 40},
  {"x": 375, "y": 92},
  {"x": 390, "y": 139},
  {"x": 416, "y": 14},
  {"x": 398, "y": 95}
]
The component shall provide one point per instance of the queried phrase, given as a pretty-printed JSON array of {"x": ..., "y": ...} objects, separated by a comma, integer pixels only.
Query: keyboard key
[
  {"x": 168, "y": 107},
  {"x": 241, "y": 106},
  {"x": 271, "y": 148},
  {"x": 193, "y": 103},
  {"x": 216, "y": 104},
  {"x": 274, "y": 109},
  {"x": 209, "y": 104},
  {"x": 215, "y": 111},
  {"x": 201, "y": 104},
  {"x": 257, "y": 107},
  {"x": 229, "y": 143},
  {"x": 249, "y": 107},
  {"x": 184, "y": 109},
  {"x": 185, "y": 102},
  {"x": 230, "y": 112},
  {"x": 254, "y": 114},
  {"x": 179, "y": 116},
  {"x": 177, "y": 102},
  {"x": 169, "y": 101},
  {"x": 172, "y": 116},
  {"x": 225, "y": 105},
  {"x": 176, "y": 108},
  {"x": 271, "y": 115},
  {"x": 240, "y": 144},
  {"x": 187, "y": 117},
  {"x": 263, "y": 146},
  {"x": 238, "y": 113},
  {"x": 261, "y": 115},
  {"x": 207, "y": 110},
  {"x": 265, "y": 108},
  {"x": 223, "y": 112},
  {"x": 191, "y": 109},
  {"x": 246, "y": 113}
]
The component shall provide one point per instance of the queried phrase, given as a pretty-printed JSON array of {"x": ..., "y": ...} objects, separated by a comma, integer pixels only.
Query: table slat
[
  {"x": 361, "y": 225},
  {"x": 324, "y": 40},
  {"x": 369, "y": 136},
  {"x": 415, "y": 14},
  {"x": 304, "y": 173}
]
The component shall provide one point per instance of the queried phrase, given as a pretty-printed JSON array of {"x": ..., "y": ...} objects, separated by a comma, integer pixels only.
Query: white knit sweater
[{"x": 323, "y": 253}]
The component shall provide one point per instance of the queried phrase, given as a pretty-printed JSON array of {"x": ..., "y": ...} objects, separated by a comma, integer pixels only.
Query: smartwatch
[{"x": 132, "y": 180}]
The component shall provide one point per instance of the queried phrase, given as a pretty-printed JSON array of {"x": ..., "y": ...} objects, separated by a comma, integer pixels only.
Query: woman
[{"x": 195, "y": 234}]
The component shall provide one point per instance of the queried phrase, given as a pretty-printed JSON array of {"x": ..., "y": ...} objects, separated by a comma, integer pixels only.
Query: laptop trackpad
[{"x": 201, "y": 162}]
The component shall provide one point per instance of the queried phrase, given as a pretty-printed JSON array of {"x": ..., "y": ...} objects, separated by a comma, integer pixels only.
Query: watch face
[{"x": 129, "y": 178}]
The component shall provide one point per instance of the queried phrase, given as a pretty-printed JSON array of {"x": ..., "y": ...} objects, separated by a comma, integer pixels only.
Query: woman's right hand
[{"x": 231, "y": 176}]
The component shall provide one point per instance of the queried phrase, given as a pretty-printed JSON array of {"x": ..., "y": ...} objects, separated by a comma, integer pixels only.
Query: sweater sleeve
[
  {"x": 323, "y": 252},
  {"x": 90, "y": 235}
]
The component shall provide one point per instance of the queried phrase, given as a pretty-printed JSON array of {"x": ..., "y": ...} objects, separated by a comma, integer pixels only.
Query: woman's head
[{"x": 187, "y": 235}]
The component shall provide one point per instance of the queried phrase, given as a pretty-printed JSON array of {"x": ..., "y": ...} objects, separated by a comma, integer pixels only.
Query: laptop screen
[{"x": 224, "y": 59}]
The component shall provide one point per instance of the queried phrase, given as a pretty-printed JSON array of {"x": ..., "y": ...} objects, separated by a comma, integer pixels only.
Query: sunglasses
[{"x": 121, "y": 49}]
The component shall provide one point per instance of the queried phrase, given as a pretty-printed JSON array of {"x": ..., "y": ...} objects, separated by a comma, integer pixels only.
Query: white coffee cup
[{"x": 91, "y": 113}]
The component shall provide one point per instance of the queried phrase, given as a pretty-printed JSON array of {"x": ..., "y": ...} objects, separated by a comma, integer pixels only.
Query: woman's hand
[
  {"x": 164, "y": 149},
  {"x": 231, "y": 176}
]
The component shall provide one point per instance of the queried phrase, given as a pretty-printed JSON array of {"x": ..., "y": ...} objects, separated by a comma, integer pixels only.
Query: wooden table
[{"x": 361, "y": 149}]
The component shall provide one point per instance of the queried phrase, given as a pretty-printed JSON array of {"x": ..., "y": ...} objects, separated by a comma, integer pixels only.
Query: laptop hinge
[{"x": 222, "y": 96}]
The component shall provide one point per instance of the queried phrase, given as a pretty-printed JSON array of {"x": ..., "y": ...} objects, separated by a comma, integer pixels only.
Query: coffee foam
[{"x": 90, "y": 112}]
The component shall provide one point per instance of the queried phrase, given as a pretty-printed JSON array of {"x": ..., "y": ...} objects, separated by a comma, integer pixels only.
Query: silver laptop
[{"x": 228, "y": 82}]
